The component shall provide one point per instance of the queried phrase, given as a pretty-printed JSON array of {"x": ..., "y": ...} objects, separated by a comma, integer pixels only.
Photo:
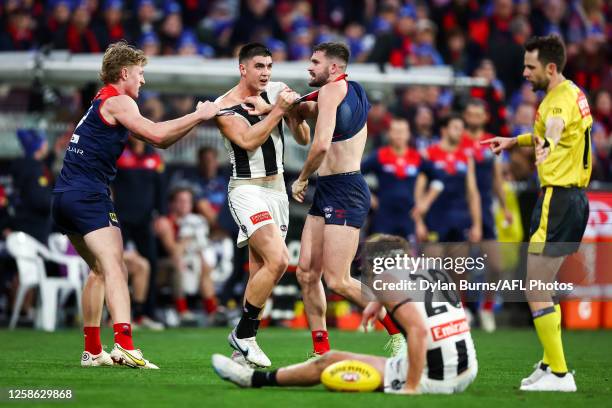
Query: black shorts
[
  {"x": 342, "y": 199},
  {"x": 81, "y": 212},
  {"x": 558, "y": 221}
]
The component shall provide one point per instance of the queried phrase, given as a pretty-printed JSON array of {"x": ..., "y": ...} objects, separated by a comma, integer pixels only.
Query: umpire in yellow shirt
[{"x": 562, "y": 142}]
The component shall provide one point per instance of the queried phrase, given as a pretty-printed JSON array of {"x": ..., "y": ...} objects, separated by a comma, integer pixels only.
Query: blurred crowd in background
[{"x": 482, "y": 39}]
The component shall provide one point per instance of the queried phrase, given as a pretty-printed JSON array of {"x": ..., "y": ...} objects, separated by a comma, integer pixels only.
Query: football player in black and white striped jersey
[
  {"x": 257, "y": 195},
  {"x": 440, "y": 359}
]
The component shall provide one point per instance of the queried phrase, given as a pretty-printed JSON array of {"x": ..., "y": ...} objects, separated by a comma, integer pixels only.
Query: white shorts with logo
[
  {"x": 396, "y": 369},
  {"x": 253, "y": 207}
]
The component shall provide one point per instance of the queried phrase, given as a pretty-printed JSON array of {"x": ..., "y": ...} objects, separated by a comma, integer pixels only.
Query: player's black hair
[
  {"x": 251, "y": 50},
  {"x": 334, "y": 50},
  {"x": 446, "y": 120},
  {"x": 550, "y": 50}
]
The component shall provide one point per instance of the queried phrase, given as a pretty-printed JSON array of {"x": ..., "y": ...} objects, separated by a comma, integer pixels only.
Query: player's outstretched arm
[
  {"x": 124, "y": 110},
  {"x": 251, "y": 137},
  {"x": 498, "y": 144}
]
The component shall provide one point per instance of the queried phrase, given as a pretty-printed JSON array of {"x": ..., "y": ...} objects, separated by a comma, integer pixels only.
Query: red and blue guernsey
[
  {"x": 484, "y": 163},
  {"x": 449, "y": 216},
  {"x": 396, "y": 175},
  {"x": 90, "y": 163},
  {"x": 81, "y": 197}
]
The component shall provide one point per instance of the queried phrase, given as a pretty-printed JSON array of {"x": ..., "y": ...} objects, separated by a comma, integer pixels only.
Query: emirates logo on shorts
[{"x": 260, "y": 217}]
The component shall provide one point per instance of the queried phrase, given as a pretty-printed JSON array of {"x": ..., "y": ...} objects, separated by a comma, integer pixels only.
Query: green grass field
[{"x": 30, "y": 359}]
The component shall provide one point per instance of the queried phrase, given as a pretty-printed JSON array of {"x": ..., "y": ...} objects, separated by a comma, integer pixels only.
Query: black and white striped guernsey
[{"x": 267, "y": 159}]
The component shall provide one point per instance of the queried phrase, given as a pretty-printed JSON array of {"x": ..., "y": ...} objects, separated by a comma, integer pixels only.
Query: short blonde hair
[{"x": 117, "y": 56}]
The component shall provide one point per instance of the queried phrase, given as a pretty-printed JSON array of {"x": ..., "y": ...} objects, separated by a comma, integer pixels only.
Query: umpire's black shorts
[{"x": 558, "y": 221}]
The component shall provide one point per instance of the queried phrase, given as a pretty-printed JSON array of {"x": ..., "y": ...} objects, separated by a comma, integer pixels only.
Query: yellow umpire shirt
[{"x": 569, "y": 162}]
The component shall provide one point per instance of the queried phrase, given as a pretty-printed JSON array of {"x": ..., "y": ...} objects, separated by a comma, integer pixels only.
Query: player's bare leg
[
  {"x": 309, "y": 274},
  {"x": 106, "y": 246},
  {"x": 266, "y": 245},
  {"x": 551, "y": 374},
  {"x": 92, "y": 302},
  {"x": 303, "y": 374}
]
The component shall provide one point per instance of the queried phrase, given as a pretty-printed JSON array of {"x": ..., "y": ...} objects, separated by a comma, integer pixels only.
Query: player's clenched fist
[
  {"x": 207, "y": 110},
  {"x": 298, "y": 190},
  {"x": 285, "y": 100}
]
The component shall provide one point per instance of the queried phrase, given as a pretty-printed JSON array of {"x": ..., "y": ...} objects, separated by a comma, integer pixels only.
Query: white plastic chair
[{"x": 29, "y": 255}]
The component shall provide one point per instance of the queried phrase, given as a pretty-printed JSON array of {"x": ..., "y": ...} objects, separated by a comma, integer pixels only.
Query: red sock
[
  {"x": 320, "y": 341},
  {"x": 123, "y": 335},
  {"x": 181, "y": 305},
  {"x": 389, "y": 325},
  {"x": 92, "y": 340},
  {"x": 210, "y": 305},
  {"x": 488, "y": 305}
]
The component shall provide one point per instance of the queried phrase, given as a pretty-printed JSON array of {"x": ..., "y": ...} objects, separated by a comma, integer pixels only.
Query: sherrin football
[{"x": 351, "y": 375}]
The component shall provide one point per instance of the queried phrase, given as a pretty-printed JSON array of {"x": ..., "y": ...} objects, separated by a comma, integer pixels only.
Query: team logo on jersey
[
  {"x": 243, "y": 228},
  {"x": 449, "y": 329},
  {"x": 112, "y": 216},
  {"x": 583, "y": 105},
  {"x": 283, "y": 228},
  {"x": 75, "y": 138},
  {"x": 260, "y": 217},
  {"x": 328, "y": 211}
]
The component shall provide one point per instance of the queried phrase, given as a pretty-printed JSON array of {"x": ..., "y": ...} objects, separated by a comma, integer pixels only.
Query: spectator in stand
[
  {"x": 602, "y": 109},
  {"x": 188, "y": 44},
  {"x": 589, "y": 68},
  {"x": 78, "y": 37},
  {"x": 394, "y": 46},
  {"x": 18, "y": 34},
  {"x": 354, "y": 34},
  {"x": 171, "y": 28},
  {"x": 278, "y": 50},
  {"x": 111, "y": 28},
  {"x": 507, "y": 51},
  {"x": 256, "y": 21},
  {"x": 550, "y": 18},
  {"x": 145, "y": 19},
  {"x": 138, "y": 195},
  {"x": 379, "y": 118},
  {"x": 602, "y": 160},
  {"x": 32, "y": 183},
  {"x": 300, "y": 47},
  {"x": 408, "y": 101},
  {"x": 54, "y": 26},
  {"x": 494, "y": 97},
  {"x": 149, "y": 43},
  {"x": 455, "y": 52},
  {"x": 217, "y": 27}
]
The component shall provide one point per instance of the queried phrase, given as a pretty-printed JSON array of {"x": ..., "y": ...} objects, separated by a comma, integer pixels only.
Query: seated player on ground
[{"x": 441, "y": 358}]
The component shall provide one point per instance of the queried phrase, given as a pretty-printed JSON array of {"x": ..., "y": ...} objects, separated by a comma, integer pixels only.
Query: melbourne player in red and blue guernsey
[
  {"x": 396, "y": 167},
  {"x": 342, "y": 200},
  {"x": 82, "y": 207}
]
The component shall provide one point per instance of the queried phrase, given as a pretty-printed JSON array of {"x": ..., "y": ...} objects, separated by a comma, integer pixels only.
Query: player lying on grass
[{"x": 441, "y": 358}]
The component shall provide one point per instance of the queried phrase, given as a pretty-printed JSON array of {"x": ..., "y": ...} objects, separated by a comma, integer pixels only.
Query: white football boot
[
  {"x": 487, "y": 320},
  {"x": 99, "y": 360},
  {"x": 249, "y": 349},
  {"x": 131, "y": 358},
  {"x": 397, "y": 345},
  {"x": 550, "y": 382},
  {"x": 536, "y": 375},
  {"x": 231, "y": 371}
]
